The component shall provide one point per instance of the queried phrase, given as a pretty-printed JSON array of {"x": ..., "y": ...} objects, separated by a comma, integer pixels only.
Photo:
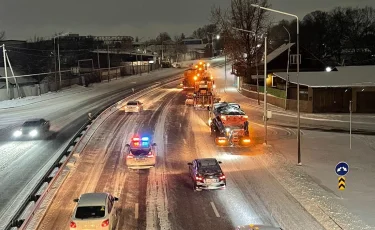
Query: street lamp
[
  {"x": 287, "y": 72},
  {"x": 58, "y": 55},
  {"x": 298, "y": 106},
  {"x": 212, "y": 42},
  {"x": 265, "y": 78}
]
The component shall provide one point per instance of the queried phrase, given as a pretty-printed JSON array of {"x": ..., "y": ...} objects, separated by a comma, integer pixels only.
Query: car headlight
[
  {"x": 227, "y": 129},
  {"x": 17, "y": 133},
  {"x": 33, "y": 133}
]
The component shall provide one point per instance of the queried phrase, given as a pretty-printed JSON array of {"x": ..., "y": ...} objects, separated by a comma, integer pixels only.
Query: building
[{"x": 322, "y": 92}]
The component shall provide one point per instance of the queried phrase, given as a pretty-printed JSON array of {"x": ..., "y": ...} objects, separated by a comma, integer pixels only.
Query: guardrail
[{"x": 18, "y": 222}]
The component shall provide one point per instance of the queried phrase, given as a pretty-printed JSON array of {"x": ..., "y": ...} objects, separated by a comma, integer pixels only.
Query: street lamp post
[
  {"x": 58, "y": 56},
  {"x": 265, "y": 79},
  {"x": 287, "y": 73},
  {"x": 298, "y": 62}
]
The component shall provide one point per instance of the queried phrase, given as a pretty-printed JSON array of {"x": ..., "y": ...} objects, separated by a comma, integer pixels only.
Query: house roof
[
  {"x": 348, "y": 76},
  {"x": 277, "y": 52}
]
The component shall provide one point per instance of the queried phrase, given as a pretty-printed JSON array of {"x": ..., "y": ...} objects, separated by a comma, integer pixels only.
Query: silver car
[
  {"x": 133, "y": 107},
  {"x": 94, "y": 211}
]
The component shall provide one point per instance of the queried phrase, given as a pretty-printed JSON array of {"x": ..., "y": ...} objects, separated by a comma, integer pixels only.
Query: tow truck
[{"x": 229, "y": 125}]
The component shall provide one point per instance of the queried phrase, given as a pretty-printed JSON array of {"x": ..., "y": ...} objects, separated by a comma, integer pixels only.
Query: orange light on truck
[
  {"x": 221, "y": 141},
  {"x": 247, "y": 141}
]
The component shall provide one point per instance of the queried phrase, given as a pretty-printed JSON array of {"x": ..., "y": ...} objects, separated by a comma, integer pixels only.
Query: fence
[
  {"x": 275, "y": 97},
  {"x": 49, "y": 82}
]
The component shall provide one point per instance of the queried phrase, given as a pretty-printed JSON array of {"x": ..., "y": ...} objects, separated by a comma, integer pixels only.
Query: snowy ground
[{"x": 315, "y": 184}]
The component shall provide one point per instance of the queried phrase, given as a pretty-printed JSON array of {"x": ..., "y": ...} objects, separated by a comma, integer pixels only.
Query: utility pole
[
  {"x": 109, "y": 63},
  {"x": 5, "y": 71},
  {"x": 54, "y": 55},
  {"x": 58, "y": 54},
  {"x": 256, "y": 66},
  {"x": 265, "y": 89},
  {"x": 15, "y": 79},
  {"x": 97, "y": 49},
  {"x": 225, "y": 69},
  {"x": 350, "y": 125}
]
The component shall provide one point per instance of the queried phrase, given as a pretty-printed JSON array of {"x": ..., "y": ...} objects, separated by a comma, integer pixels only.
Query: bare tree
[{"x": 240, "y": 45}]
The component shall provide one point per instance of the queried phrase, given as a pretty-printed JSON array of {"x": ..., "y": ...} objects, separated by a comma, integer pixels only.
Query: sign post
[
  {"x": 341, "y": 169},
  {"x": 350, "y": 124}
]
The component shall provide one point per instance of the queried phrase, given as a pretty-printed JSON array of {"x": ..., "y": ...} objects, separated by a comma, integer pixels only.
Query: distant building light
[
  {"x": 363, "y": 90},
  {"x": 328, "y": 69},
  {"x": 151, "y": 62}
]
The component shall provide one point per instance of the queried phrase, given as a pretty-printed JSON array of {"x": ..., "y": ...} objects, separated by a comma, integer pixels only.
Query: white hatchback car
[
  {"x": 94, "y": 211},
  {"x": 133, "y": 107}
]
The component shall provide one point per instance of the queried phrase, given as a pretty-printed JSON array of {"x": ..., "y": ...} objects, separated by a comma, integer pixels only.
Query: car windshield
[
  {"x": 31, "y": 123},
  {"x": 90, "y": 212},
  {"x": 140, "y": 152},
  {"x": 132, "y": 103}
]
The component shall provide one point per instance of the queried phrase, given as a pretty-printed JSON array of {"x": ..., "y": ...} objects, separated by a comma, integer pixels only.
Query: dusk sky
[{"x": 22, "y": 19}]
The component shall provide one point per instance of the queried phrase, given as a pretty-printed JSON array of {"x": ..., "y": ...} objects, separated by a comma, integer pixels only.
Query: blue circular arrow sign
[{"x": 342, "y": 168}]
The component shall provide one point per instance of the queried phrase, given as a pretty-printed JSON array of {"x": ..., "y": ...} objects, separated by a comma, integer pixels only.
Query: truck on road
[{"x": 229, "y": 124}]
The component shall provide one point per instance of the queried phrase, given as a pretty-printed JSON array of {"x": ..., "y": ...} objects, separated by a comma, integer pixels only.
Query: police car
[{"x": 140, "y": 153}]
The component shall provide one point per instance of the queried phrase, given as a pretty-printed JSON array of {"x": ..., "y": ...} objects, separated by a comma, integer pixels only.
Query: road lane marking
[
  {"x": 215, "y": 210},
  {"x": 136, "y": 211}
]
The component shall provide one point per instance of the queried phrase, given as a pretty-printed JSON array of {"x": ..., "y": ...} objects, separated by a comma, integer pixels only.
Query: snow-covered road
[
  {"x": 23, "y": 163},
  {"x": 162, "y": 198}
]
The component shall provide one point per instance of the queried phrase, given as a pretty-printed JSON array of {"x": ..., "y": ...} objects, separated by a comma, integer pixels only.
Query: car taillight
[
  {"x": 73, "y": 224},
  {"x": 199, "y": 178},
  {"x": 222, "y": 177},
  {"x": 246, "y": 140},
  {"x": 105, "y": 223}
]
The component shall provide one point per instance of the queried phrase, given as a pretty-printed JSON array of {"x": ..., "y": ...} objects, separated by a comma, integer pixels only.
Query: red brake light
[
  {"x": 73, "y": 224},
  {"x": 105, "y": 223},
  {"x": 198, "y": 178},
  {"x": 222, "y": 177}
]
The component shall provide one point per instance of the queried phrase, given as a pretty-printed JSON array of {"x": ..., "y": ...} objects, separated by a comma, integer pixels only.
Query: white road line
[
  {"x": 136, "y": 211},
  {"x": 215, "y": 210}
]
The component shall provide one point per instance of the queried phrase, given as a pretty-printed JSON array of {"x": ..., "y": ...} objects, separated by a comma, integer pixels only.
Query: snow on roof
[
  {"x": 274, "y": 54},
  {"x": 349, "y": 76}
]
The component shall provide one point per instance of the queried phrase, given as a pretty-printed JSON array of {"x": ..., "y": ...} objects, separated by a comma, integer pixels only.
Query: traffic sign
[
  {"x": 342, "y": 168},
  {"x": 342, "y": 183}
]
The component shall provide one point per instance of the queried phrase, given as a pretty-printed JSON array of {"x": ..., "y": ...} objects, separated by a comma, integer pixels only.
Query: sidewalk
[{"x": 321, "y": 152}]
